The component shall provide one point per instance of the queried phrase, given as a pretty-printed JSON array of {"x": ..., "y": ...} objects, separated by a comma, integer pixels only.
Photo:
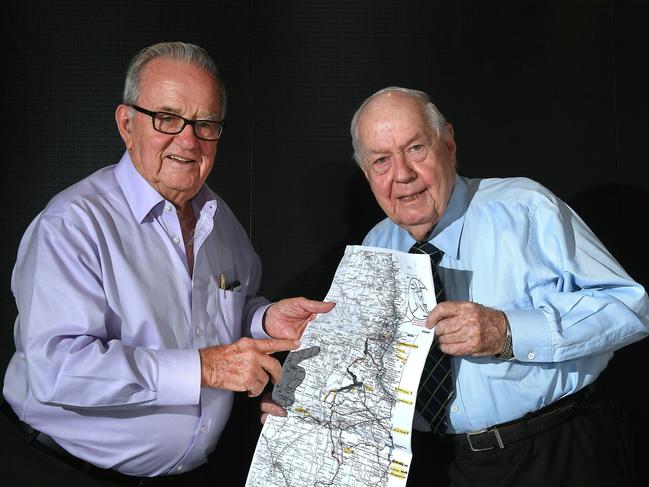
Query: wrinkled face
[
  {"x": 175, "y": 165},
  {"x": 411, "y": 169}
]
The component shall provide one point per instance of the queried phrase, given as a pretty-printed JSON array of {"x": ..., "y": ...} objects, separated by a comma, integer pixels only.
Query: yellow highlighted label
[
  {"x": 409, "y": 345},
  {"x": 404, "y": 391},
  {"x": 405, "y": 401},
  {"x": 401, "y": 431}
]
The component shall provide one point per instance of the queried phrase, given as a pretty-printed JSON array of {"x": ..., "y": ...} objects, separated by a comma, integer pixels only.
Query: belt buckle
[{"x": 474, "y": 433}]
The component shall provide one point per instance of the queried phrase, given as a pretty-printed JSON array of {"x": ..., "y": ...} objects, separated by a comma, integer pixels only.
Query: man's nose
[
  {"x": 404, "y": 171},
  {"x": 187, "y": 136}
]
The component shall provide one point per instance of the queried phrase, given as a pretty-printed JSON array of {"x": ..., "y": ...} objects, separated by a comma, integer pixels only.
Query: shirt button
[
  {"x": 454, "y": 408},
  {"x": 198, "y": 331},
  {"x": 167, "y": 207},
  {"x": 531, "y": 355},
  {"x": 176, "y": 239},
  {"x": 202, "y": 430},
  {"x": 179, "y": 468}
]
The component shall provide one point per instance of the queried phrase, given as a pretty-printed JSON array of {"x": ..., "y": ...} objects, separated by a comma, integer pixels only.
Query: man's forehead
[
  {"x": 169, "y": 83},
  {"x": 378, "y": 131}
]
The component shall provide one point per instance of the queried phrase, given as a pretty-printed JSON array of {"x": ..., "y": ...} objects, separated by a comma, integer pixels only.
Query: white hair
[
  {"x": 180, "y": 51},
  {"x": 436, "y": 120}
]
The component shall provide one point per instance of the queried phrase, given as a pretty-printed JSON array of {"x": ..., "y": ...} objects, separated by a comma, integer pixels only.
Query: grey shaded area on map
[{"x": 292, "y": 376}]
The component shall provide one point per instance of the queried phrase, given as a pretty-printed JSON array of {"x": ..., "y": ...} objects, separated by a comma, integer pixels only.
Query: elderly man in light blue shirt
[
  {"x": 535, "y": 306},
  {"x": 136, "y": 288}
]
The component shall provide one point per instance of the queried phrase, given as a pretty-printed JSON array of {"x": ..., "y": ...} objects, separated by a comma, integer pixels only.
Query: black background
[{"x": 552, "y": 90}]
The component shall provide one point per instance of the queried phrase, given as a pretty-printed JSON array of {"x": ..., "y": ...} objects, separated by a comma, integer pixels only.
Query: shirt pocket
[{"x": 229, "y": 313}]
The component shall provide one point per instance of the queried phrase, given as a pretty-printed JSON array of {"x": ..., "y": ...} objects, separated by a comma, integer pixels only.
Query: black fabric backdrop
[{"x": 552, "y": 90}]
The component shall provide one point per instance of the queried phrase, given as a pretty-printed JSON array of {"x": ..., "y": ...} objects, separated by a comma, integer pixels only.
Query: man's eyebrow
[
  {"x": 408, "y": 142},
  {"x": 169, "y": 109},
  {"x": 413, "y": 138},
  {"x": 175, "y": 111}
]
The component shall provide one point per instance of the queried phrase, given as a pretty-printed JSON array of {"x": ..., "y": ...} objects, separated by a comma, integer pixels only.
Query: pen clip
[{"x": 222, "y": 285}]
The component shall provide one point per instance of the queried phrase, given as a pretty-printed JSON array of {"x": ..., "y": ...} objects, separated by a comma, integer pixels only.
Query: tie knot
[{"x": 428, "y": 249}]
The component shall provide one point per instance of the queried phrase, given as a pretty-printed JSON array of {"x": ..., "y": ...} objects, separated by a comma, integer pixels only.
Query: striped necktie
[{"x": 436, "y": 384}]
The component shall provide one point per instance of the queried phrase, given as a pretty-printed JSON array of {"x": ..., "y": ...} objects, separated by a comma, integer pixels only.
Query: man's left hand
[
  {"x": 466, "y": 328},
  {"x": 288, "y": 318},
  {"x": 269, "y": 407}
]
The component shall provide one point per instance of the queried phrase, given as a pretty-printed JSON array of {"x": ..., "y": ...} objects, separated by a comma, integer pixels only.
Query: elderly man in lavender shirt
[{"x": 134, "y": 288}]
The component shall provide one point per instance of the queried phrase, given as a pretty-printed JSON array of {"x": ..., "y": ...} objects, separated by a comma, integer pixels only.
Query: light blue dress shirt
[
  {"x": 110, "y": 322},
  {"x": 512, "y": 245}
]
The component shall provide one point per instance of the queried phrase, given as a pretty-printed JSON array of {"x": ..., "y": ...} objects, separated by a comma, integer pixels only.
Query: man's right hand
[
  {"x": 244, "y": 365},
  {"x": 467, "y": 328}
]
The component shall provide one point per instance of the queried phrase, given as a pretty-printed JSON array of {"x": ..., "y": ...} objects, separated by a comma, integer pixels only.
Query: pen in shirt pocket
[{"x": 233, "y": 286}]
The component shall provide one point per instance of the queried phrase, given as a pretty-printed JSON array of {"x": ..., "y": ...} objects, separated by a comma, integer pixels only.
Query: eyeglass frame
[{"x": 186, "y": 122}]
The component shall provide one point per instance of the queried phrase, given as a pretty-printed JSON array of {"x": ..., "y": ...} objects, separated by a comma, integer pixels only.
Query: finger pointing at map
[{"x": 245, "y": 365}]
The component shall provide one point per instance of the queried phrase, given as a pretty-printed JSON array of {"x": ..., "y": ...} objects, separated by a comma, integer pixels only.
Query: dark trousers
[
  {"x": 591, "y": 448},
  {"x": 25, "y": 461}
]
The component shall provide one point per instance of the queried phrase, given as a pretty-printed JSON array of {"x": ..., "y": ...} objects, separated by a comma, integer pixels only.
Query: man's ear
[
  {"x": 449, "y": 138},
  {"x": 124, "y": 124}
]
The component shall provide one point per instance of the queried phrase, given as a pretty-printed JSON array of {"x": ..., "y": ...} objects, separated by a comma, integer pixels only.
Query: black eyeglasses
[{"x": 170, "y": 123}]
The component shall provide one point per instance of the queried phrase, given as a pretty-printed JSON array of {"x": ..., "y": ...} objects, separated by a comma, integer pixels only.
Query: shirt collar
[
  {"x": 205, "y": 201},
  {"x": 448, "y": 231},
  {"x": 142, "y": 197}
]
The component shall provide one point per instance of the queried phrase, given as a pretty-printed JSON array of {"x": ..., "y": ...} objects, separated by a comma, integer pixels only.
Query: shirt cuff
[
  {"x": 257, "y": 326},
  {"x": 531, "y": 335},
  {"x": 179, "y": 377}
]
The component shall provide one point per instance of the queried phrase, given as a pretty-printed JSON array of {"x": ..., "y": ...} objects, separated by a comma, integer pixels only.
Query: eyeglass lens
[{"x": 174, "y": 124}]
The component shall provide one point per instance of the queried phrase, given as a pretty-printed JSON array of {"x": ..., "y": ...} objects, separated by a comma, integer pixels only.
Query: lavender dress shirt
[{"x": 110, "y": 322}]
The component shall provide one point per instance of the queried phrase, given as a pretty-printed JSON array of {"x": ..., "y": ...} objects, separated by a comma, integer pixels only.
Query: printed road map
[{"x": 351, "y": 388}]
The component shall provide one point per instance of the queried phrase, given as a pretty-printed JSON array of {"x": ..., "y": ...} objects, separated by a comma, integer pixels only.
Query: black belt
[
  {"x": 501, "y": 435},
  {"x": 46, "y": 444}
]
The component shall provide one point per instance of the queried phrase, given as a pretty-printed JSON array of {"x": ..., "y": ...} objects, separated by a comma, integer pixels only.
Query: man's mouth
[
  {"x": 411, "y": 197},
  {"x": 180, "y": 159}
]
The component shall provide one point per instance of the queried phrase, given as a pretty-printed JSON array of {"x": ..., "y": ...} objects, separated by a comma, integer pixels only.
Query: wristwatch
[{"x": 508, "y": 346}]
